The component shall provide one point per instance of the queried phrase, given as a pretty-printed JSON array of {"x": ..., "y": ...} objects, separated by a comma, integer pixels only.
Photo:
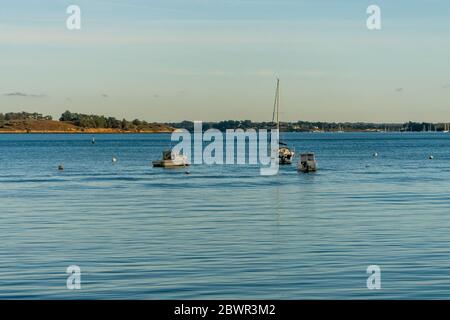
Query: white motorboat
[
  {"x": 171, "y": 159},
  {"x": 307, "y": 163}
]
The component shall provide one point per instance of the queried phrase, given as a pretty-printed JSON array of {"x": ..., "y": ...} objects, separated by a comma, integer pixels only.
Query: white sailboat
[
  {"x": 285, "y": 154},
  {"x": 446, "y": 128}
]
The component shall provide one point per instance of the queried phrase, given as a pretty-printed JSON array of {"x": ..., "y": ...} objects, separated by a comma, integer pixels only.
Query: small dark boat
[{"x": 307, "y": 163}]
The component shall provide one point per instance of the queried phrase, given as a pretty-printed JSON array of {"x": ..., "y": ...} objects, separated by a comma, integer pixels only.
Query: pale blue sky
[{"x": 169, "y": 60}]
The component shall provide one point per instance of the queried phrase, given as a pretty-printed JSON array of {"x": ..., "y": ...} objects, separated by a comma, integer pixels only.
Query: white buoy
[
  {"x": 375, "y": 154},
  {"x": 114, "y": 159},
  {"x": 431, "y": 157}
]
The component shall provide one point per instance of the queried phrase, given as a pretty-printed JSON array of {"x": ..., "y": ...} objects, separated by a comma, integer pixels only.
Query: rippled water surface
[{"x": 139, "y": 232}]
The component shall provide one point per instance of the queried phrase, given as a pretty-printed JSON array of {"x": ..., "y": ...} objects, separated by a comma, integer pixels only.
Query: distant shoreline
[
  {"x": 165, "y": 132},
  {"x": 81, "y": 132},
  {"x": 75, "y": 123}
]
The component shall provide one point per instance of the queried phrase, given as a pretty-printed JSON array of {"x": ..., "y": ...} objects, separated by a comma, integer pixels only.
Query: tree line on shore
[
  {"x": 104, "y": 122},
  {"x": 309, "y": 126},
  {"x": 11, "y": 116},
  {"x": 85, "y": 121}
]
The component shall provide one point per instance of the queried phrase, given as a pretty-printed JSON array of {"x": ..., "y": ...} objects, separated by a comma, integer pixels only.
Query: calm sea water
[{"x": 139, "y": 232}]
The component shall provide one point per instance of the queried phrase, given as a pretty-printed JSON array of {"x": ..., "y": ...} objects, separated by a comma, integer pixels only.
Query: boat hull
[
  {"x": 307, "y": 166},
  {"x": 285, "y": 156},
  {"x": 168, "y": 164},
  {"x": 285, "y": 161}
]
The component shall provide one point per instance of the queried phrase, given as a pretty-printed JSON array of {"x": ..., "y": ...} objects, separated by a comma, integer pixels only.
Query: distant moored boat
[
  {"x": 285, "y": 154},
  {"x": 307, "y": 163},
  {"x": 171, "y": 159}
]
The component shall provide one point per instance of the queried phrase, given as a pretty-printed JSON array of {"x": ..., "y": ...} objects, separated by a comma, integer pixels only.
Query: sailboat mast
[{"x": 278, "y": 104}]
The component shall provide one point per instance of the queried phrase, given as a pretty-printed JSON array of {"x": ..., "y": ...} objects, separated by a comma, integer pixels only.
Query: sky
[{"x": 211, "y": 60}]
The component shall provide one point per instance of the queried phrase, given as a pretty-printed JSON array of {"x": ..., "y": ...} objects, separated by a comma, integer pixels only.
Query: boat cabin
[
  {"x": 307, "y": 162},
  {"x": 167, "y": 155},
  {"x": 307, "y": 157},
  {"x": 171, "y": 159}
]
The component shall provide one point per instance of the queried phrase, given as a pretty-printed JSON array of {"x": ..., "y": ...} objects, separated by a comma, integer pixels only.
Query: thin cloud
[{"x": 25, "y": 95}]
